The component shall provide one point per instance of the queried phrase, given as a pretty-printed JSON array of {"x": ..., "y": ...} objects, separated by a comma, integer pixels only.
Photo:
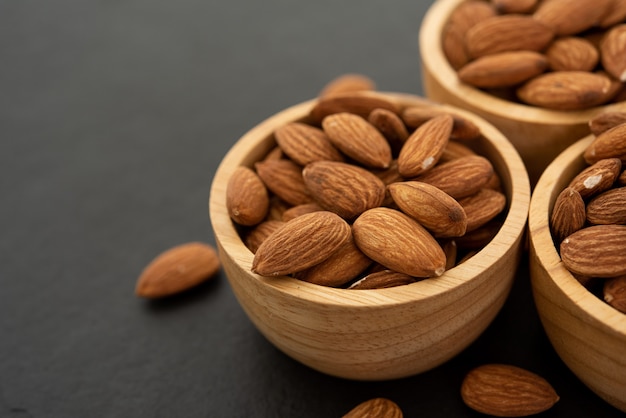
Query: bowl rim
[
  {"x": 435, "y": 61},
  {"x": 510, "y": 232},
  {"x": 542, "y": 200}
]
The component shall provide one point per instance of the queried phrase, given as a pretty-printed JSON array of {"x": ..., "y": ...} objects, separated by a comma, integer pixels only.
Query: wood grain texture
[
  {"x": 587, "y": 333},
  {"x": 375, "y": 334},
  {"x": 539, "y": 135}
]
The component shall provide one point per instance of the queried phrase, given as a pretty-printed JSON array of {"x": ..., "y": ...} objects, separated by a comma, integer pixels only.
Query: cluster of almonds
[
  {"x": 366, "y": 194},
  {"x": 588, "y": 221},
  {"x": 556, "y": 54}
]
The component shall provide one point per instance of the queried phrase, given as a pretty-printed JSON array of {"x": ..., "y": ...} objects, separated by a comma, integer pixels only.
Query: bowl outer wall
[
  {"x": 379, "y": 334},
  {"x": 529, "y": 128},
  {"x": 588, "y": 334}
]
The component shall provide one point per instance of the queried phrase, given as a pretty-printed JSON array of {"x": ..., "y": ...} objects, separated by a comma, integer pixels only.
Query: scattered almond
[
  {"x": 614, "y": 293},
  {"x": 375, "y": 408}
]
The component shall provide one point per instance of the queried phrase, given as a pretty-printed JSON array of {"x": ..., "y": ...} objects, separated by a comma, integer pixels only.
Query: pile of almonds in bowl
[
  {"x": 365, "y": 194},
  {"x": 553, "y": 54},
  {"x": 588, "y": 220}
]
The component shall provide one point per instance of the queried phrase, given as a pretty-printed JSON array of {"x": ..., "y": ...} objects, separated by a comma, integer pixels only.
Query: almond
[
  {"x": 461, "y": 177},
  {"x": 260, "y": 232},
  {"x": 503, "y": 69},
  {"x": 424, "y": 147},
  {"x": 305, "y": 144},
  {"x": 347, "y": 83},
  {"x": 480, "y": 237},
  {"x": 514, "y": 6},
  {"x": 383, "y": 280},
  {"x": 596, "y": 251},
  {"x": 453, "y": 46},
  {"x": 451, "y": 251},
  {"x": 462, "y": 128},
  {"x": 284, "y": 179},
  {"x": 359, "y": 103},
  {"x": 375, "y": 408},
  {"x": 295, "y": 211},
  {"x": 178, "y": 269},
  {"x": 277, "y": 208},
  {"x": 396, "y": 241},
  {"x": 454, "y": 150},
  {"x": 247, "y": 200},
  {"x": 391, "y": 126},
  {"x": 605, "y": 121},
  {"x": 613, "y": 52},
  {"x": 569, "y": 17},
  {"x": 566, "y": 90},
  {"x": 596, "y": 178},
  {"x": 609, "y": 144},
  {"x": 345, "y": 189},
  {"x": 614, "y": 293},
  {"x": 481, "y": 207},
  {"x": 512, "y": 32},
  {"x": 358, "y": 139},
  {"x": 568, "y": 214},
  {"x": 621, "y": 180},
  {"x": 437, "y": 211},
  {"x": 572, "y": 54},
  {"x": 507, "y": 391},
  {"x": 300, "y": 244},
  {"x": 608, "y": 208},
  {"x": 615, "y": 14}
]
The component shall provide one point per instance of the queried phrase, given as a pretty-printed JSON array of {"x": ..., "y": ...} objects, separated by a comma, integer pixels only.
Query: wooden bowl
[
  {"x": 374, "y": 334},
  {"x": 588, "y": 334},
  {"x": 538, "y": 134}
]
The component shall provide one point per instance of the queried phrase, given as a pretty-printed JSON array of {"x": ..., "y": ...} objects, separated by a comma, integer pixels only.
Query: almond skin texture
[
  {"x": 437, "y": 211},
  {"x": 507, "y": 391},
  {"x": 605, "y": 121},
  {"x": 597, "y": 178},
  {"x": 359, "y": 103},
  {"x": 572, "y": 54},
  {"x": 257, "y": 235},
  {"x": 358, "y": 139},
  {"x": 615, "y": 14},
  {"x": 347, "y": 83},
  {"x": 391, "y": 126},
  {"x": 284, "y": 179},
  {"x": 503, "y": 69},
  {"x": 514, "y": 6},
  {"x": 481, "y": 207},
  {"x": 566, "y": 90},
  {"x": 424, "y": 147},
  {"x": 383, "y": 280},
  {"x": 462, "y": 128},
  {"x": 613, "y": 52},
  {"x": 596, "y": 251},
  {"x": 614, "y": 293},
  {"x": 568, "y": 214},
  {"x": 345, "y": 189},
  {"x": 501, "y": 33},
  {"x": 178, "y": 269},
  {"x": 569, "y": 17},
  {"x": 295, "y": 211},
  {"x": 608, "y": 208},
  {"x": 300, "y": 244},
  {"x": 609, "y": 144},
  {"x": 305, "y": 144},
  {"x": 375, "y": 408},
  {"x": 396, "y": 241},
  {"x": 247, "y": 199}
]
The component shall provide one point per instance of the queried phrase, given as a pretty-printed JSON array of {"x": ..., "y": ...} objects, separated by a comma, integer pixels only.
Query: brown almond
[
  {"x": 383, "y": 280},
  {"x": 277, "y": 208},
  {"x": 613, "y": 52},
  {"x": 507, "y": 391},
  {"x": 609, "y": 144},
  {"x": 391, "y": 126},
  {"x": 424, "y": 147},
  {"x": 399, "y": 243},
  {"x": 345, "y": 189},
  {"x": 605, "y": 121},
  {"x": 257, "y": 235},
  {"x": 503, "y": 69},
  {"x": 566, "y": 90},
  {"x": 359, "y": 103},
  {"x": 511, "y": 32},
  {"x": 608, "y": 208},
  {"x": 347, "y": 83},
  {"x": 482, "y": 207},
  {"x": 305, "y": 144},
  {"x": 300, "y": 244},
  {"x": 284, "y": 179},
  {"x": 434, "y": 209},
  {"x": 596, "y": 251},
  {"x": 275, "y": 153},
  {"x": 514, "y": 6},
  {"x": 178, "y": 269},
  {"x": 572, "y": 53},
  {"x": 358, "y": 139},
  {"x": 621, "y": 180},
  {"x": 478, "y": 238},
  {"x": 462, "y": 129},
  {"x": 615, "y": 14},
  {"x": 451, "y": 251},
  {"x": 453, "y": 46},
  {"x": 469, "y": 13},
  {"x": 247, "y": 199},
  {"x": 375, "y": 408},
  {"x": 344, "y": 265},
  {"x": 454, "y": 150},
  {"x": 570, "y": 17},
  {"x": 568, "y": 214},
  {"x": 461, "y": 177},
  {"x": 596, "y": 178},
  {"x": 614, "y": 293},
  {"x": 295, "y": 211}
]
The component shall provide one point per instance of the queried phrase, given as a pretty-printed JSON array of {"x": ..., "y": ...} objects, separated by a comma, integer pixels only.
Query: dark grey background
[{"x": 114, "y": 116}]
